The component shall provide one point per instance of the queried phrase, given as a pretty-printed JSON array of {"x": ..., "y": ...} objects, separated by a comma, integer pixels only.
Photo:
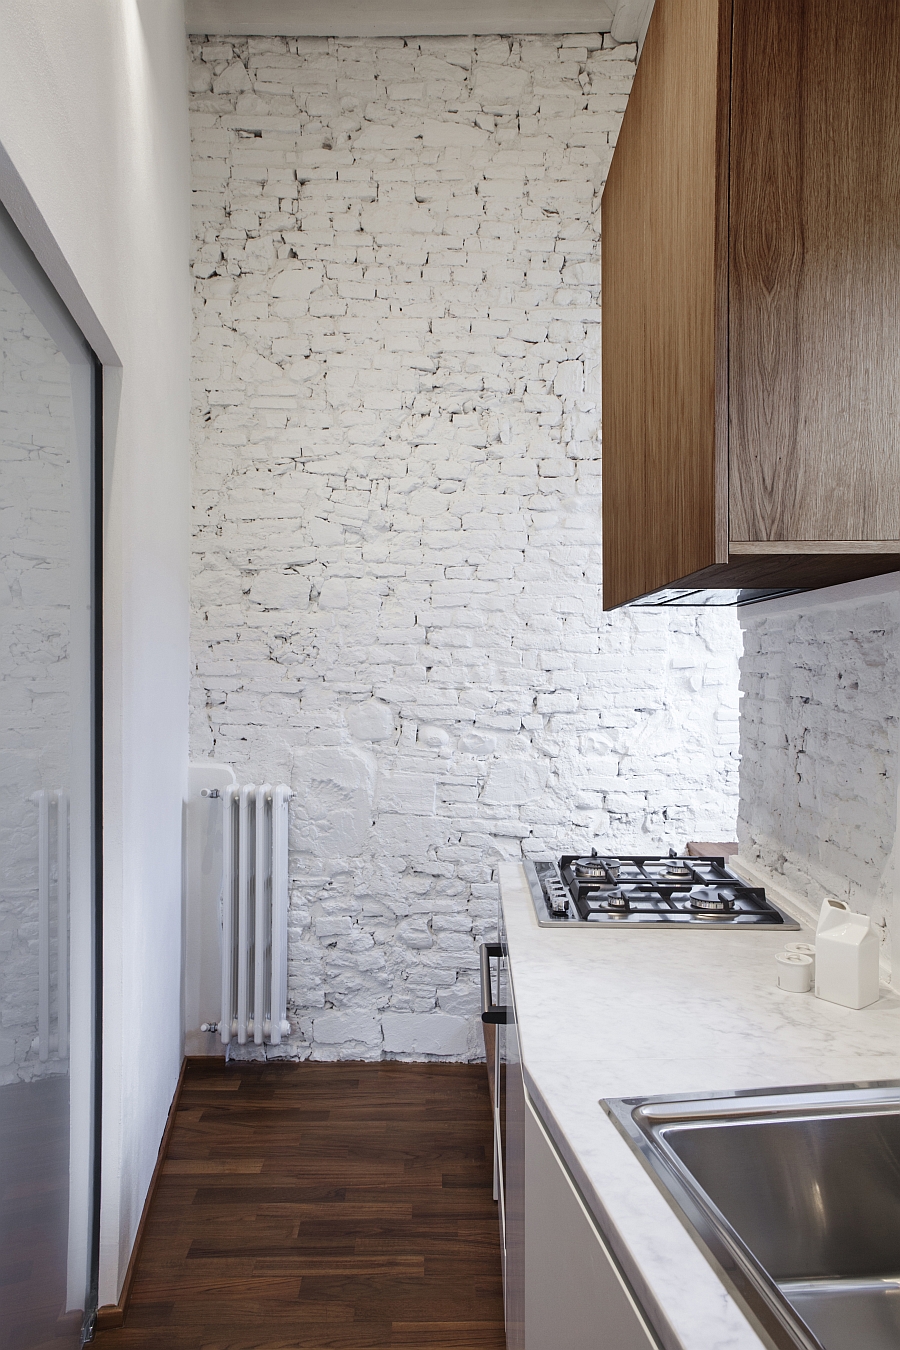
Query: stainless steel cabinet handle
[{"x": 490, "y": 1011}]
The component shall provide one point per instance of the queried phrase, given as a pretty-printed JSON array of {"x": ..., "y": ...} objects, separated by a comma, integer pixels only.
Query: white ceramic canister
[
  {"x": 795, "y": 972},
  {"x": 803, "y": 949}
]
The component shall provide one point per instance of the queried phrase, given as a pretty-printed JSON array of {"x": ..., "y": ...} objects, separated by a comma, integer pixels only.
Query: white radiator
[
  {"x": 255, "y": 914},
  {"x": 53, "y": 806}
]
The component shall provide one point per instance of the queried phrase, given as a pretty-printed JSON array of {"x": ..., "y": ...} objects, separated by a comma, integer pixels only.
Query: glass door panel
[{"x": 49, "y": 803}]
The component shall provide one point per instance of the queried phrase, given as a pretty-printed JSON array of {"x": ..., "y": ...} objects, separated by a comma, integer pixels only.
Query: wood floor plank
[
  {"x": 192, "y": 1167},
  {"x": 322, "y": 1207}
]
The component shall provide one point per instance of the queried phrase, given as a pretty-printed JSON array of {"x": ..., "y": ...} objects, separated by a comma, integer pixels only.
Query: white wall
[
  {"x": 819, "y": 744},
  {"x": 94, "y": 170},
  {"x": 397, "y": 508}
]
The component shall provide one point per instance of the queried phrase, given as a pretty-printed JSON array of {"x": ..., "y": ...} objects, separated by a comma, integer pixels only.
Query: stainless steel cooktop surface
[{"x": 648, "y": 892}]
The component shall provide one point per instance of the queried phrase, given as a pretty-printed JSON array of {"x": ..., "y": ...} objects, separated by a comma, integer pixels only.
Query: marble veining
[{"x": 618, "y": 1014}]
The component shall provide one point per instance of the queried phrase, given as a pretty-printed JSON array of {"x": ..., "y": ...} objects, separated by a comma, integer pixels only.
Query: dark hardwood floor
[{"x": 322, "y": 1207}]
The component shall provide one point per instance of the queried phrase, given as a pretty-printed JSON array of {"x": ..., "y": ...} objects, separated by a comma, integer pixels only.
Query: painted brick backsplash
[
  {"x": 397, "y": 508},
  {"x": 819, "y": 725}
]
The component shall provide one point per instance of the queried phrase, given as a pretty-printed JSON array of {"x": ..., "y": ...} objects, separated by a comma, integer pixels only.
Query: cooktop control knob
[{"x": 557, "y": 897}]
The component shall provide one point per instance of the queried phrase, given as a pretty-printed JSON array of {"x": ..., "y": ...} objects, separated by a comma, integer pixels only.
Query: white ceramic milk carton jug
[{"x": 846, "y": 956}]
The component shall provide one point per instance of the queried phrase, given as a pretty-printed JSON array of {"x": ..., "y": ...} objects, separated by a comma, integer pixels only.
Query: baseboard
[{"x": 113, "y": 1314}]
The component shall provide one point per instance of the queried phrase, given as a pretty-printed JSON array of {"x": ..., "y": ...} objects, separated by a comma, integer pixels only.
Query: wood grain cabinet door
[{"x": 814, "y": 303}]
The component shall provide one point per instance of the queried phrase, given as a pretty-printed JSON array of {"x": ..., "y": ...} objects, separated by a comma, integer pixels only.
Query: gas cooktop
[{"x": 648, "y": 891}]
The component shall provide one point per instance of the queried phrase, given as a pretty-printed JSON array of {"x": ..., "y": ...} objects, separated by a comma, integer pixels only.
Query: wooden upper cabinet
[{"x": 751, "y": 301}]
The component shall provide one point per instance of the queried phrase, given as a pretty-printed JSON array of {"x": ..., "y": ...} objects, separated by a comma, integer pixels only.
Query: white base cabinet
[
  {"x": 562, "y": 1290},
  {"x": 575, "y": 1297}
]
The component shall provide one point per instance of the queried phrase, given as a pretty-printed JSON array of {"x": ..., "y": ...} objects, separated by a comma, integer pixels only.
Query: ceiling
[{"x": 626, "y": 19}]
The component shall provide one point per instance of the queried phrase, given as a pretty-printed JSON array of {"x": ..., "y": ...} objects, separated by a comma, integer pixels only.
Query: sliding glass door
[{"x": 49, "y": 809}]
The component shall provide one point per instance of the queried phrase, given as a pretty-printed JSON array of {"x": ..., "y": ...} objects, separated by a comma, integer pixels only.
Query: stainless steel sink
[{"x": 796, "y": 1195}]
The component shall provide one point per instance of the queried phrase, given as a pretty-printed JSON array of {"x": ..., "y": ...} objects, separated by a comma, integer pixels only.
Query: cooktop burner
[{"x": 648, "y": 891}]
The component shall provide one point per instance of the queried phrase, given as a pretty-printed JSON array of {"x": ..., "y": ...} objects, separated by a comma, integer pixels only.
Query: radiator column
[{"x": 255, "y": 914}]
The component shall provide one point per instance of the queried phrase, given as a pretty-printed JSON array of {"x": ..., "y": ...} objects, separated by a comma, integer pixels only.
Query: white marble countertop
[{"x": 620, "y": 1014}]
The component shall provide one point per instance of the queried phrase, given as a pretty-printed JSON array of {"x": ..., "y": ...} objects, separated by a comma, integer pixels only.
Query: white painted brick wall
[
  {"x": 397, "y": 506},
  {"x": 819, "y": 715}
]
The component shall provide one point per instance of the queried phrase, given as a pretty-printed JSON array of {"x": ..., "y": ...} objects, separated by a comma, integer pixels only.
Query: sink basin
[{"x": 795, "y": 1194}]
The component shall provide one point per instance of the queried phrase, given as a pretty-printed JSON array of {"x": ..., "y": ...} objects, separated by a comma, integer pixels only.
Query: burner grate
[{"x": 647, "y": 891}]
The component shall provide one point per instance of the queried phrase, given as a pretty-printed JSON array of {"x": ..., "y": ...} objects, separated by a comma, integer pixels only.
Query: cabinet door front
[
  {"x": 512, "y": 1121},
  {"x": 814, "y": 361},
  {"x": 575, "y": 1298}
]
